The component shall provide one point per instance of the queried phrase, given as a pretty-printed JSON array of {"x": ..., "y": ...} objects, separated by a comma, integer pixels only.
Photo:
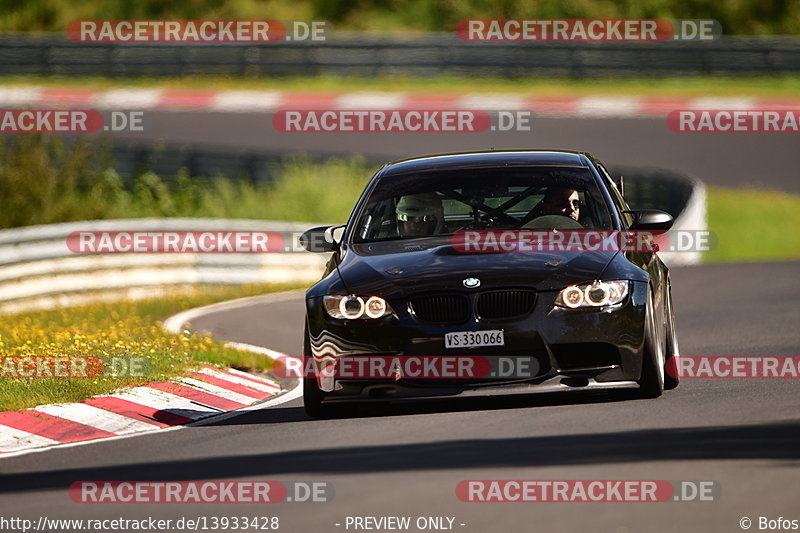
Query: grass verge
[
  {"x": 102, "y": 331},
  {"x": 740, "y": 17},
  {"x": 753, "y": 225},
  {"x": 779, "y": 86},
  {"x": 43, "y": 181}
]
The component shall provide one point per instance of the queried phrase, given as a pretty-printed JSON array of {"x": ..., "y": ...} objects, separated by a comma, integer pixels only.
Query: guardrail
[
  {"x": 38, "y": 270},
  {"x": 432, "y": 54}
]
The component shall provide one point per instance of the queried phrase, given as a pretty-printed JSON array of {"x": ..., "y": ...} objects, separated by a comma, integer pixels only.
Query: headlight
[
  {"x": 596, "y": 294},
  {"x": 352, "y": 307}
]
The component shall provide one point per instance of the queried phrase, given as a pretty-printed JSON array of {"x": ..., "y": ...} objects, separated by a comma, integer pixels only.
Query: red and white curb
[
  {"x": 271, "y": 101},
  {"x": 201, "y": 394},
  {"x": 197, "y": 398}
]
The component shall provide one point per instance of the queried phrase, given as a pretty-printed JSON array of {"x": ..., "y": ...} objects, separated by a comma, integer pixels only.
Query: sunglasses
[
  {"x": 574, "y": 204},
  {"x": 413, "y": 219}
]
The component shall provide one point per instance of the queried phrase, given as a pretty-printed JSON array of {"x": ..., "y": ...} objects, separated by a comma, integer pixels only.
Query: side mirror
[
  {"x": 321, "y": 238},
  {"x": 651, "y": 220}
]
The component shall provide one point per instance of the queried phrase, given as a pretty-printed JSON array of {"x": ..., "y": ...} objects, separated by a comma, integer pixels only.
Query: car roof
[{"x": 494, "y": 158}]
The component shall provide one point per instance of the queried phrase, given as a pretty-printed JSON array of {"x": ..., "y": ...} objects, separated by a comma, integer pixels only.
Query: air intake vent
[
  {"x": 505, "y": 304},
  {"x": 441, "y": 309}
]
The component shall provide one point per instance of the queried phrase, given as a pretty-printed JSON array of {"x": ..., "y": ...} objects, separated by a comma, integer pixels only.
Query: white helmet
[{"x": 423, "y": 207}]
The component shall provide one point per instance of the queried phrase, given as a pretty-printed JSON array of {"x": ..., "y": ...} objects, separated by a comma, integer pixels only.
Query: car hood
[{"x": 399, "y": 268}]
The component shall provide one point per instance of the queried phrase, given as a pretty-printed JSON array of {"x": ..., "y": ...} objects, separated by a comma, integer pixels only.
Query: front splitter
[{"x": 398, "y": 391}]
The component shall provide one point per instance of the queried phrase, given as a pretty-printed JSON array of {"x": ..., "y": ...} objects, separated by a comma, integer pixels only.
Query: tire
[
  {"x": 312, "y": 399},
  {"x": 651, "y": 383},
  {"x": 312, "y": 396},
  {"x": 671, "y": 346}
]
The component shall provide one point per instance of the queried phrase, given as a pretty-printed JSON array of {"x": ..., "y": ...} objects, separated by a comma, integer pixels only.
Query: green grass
[
  {"x": 114, "y": 330},
  {"x": 753, "y": 225},
  {"x": 779, "y": 86},
  {"x": 736, "y": 16},
  {"x": 42, "y": 181},
  {"x": 313, "y": 192}
]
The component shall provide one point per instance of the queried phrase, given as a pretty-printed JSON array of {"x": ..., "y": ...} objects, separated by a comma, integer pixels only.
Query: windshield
[{"x": 443, "y": 202}]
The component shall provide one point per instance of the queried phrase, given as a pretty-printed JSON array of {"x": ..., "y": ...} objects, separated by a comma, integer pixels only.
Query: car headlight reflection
[
  {"x": 352, "y": 307},
  {"x": 596, "y": 294}
]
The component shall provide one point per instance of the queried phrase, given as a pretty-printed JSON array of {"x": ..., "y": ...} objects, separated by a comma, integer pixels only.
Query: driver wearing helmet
[{"x": 419, "y": 215}]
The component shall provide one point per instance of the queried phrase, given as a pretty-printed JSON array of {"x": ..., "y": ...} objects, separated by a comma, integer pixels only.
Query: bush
[
  {"x": 737, "y": 16},
  {"x": 43, "y": 181}
]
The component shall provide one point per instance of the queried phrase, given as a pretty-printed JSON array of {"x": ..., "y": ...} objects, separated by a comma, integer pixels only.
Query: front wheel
[
  {"x": 312, "y": 398},
  {"x": 312, "y": 402},
  {"x": 670, "y": 381},
  {"x": 651, "y": 383}
]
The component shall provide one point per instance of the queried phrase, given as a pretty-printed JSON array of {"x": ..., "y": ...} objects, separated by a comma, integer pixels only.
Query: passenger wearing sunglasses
[
  {"x": 561, "y": 201},
  {"x": 557, "y": 201}
]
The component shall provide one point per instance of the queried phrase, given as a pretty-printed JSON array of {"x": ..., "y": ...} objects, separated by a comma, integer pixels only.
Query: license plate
[{"x": 470, "y": 339}]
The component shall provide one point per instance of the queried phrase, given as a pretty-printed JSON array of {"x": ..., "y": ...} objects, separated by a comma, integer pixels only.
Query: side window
[
  {"x": 378, "y": 222},
  {"x": 620, "y": 202}
]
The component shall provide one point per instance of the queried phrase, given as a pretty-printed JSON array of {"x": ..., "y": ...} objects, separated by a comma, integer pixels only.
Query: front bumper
[{"x": 571, "y": 349}]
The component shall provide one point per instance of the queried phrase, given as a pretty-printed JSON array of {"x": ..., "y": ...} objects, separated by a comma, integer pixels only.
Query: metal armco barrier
[
  {"x": 38, "y": 270},
  {"x": 431, "y": 54}
]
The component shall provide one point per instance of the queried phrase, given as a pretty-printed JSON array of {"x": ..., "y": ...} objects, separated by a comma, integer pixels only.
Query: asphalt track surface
[
  {"x": 743, "y": 434},
  {"x": 406, "y": 461}
]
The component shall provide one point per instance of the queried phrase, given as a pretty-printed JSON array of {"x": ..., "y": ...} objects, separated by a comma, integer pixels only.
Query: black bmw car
[{"x": 428, "y": 292}]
